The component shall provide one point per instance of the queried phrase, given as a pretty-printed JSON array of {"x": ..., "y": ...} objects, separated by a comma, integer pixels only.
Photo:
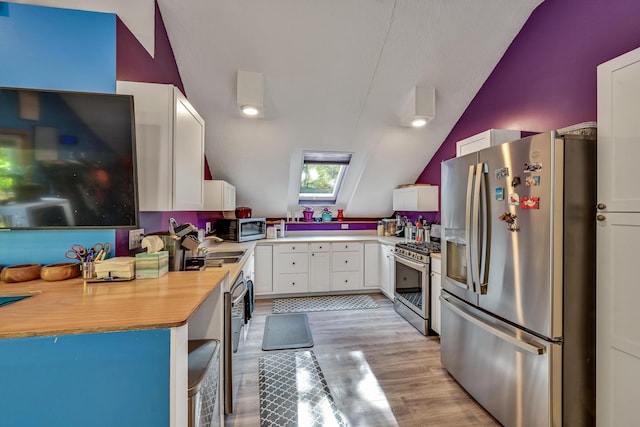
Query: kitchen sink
[
  {"x": 212, "y": 262},
  {"x": 224, "y": 254}
]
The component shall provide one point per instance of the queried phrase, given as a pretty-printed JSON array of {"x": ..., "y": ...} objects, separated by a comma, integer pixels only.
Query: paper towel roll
[{"x": 152, "y": 244}]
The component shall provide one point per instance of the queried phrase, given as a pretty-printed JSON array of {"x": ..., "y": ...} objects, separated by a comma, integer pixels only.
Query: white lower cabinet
[
  {"x": 263, "y": 283},
  {"x": 346, "y": 266},
  {"x": 436, "y": 286},
  {"x": 387, "y": 270},
  {"x": 372, "y": 265},
  {"x": 323, "y": 267},
  {"x": 319, "y": 267},
  {"x": 291, "y": 268}
]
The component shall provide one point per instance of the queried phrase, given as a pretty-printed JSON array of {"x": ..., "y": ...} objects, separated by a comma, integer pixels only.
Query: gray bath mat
[
  {"x": 294, "y": 392},
  {"x": 284, "y": 331},
  {"x": 323, "y": 303}
]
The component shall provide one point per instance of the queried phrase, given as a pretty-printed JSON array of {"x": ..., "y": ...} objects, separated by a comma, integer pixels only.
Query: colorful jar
[
  {"x": 326, "y": 217},
  {"x": 340, "y": 215},
  {"x": 308, "y": 216}
]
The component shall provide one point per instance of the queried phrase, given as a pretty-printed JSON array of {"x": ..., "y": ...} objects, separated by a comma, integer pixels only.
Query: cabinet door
[
  {"x": 229, "y": 203},
  {"x": 263, "y": 283},
  {"x": 346, "y": 247},
  {"x": 371, "y": 265},
  {"x": 319, "y": 272},
  {"x": 346, "y": 280},
  {"x": 188, "y": 152},
  {"x": 618, "y": 133},
  {"x": 292, "y": 263},
  {"x": 436, "y": 286},
  {"x": 346, "y": 261},
  {"x": 387, "y": 270},
  {"x": 292, "y": 283},
  {"x": 154, "y": 143}
]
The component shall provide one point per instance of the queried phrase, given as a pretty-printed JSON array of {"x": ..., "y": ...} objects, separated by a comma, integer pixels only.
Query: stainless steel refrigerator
[{"x": 518, "y": 259}]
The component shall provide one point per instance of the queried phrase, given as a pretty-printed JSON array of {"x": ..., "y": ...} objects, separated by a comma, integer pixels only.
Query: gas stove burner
[{"x": 417, "y": 251}]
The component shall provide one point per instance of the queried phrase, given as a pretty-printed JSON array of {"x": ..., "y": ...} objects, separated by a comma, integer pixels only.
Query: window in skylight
[{"x": 321, "y": 177}]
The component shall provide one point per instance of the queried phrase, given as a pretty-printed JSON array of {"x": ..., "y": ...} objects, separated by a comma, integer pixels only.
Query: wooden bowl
[
  {"x": 20, "y": 273},
  {"x": 61, "y": 271}
]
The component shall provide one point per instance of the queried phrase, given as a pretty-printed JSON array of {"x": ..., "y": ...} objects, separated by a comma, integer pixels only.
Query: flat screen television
[{"x": 67, "y": 159}]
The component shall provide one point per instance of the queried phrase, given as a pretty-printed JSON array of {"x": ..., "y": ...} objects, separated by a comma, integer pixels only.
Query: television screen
[{"x": 67, "y": 159}]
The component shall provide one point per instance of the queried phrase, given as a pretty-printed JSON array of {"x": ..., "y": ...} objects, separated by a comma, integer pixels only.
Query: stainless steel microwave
[{"x": 241, "y": 229}]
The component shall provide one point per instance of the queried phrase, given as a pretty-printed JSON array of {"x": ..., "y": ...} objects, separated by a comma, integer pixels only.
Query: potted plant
[
  {"x": 326, "y": 215},
  {"x": 308, "y": 214}
]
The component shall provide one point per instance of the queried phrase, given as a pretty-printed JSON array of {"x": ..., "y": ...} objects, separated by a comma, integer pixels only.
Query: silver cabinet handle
[{"x": 531, "y": 348}]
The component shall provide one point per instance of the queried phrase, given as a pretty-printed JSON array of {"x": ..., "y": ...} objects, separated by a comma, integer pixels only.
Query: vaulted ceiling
[{"x": 337, "y": 76}]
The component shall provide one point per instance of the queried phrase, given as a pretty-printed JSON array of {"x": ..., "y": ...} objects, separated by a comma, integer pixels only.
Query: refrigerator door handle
[
  {"x": 482, "y": 231},
  {"x": 474, "y": 231},
  {"x": 468, "y": 232},
  {"x": 530, "y": 348}
]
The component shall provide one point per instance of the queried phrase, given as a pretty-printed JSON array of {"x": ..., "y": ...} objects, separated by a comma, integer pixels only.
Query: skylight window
[{"x": 321, "y": 177}]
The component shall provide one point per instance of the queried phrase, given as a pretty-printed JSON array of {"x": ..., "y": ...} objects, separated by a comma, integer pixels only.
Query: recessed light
[
  {"x": 249, "y": 110},
  {"x": 418, "y": 122}
]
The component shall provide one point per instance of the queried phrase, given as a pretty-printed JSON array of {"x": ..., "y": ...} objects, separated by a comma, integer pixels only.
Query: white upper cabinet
[
  {"x": 417, "y": 198},
  {"x": 219, "y": 196},
  {"x": 486, "y": 139},
  {"x": 169, "y": 147}
]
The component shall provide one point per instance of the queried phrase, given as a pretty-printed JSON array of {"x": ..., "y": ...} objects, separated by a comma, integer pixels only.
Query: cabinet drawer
[
  {"x": 289, "y": 283},
  {"x": 436, "y": 265},
  {"x": 289, "y": 248},
  {"x": 319, "y": 247},
  {"x": 293, "y": 263},
  {"x": 346, "y": 246},
  {"x": 346, "y": 261},
  {"x": 346, "y": 280}
]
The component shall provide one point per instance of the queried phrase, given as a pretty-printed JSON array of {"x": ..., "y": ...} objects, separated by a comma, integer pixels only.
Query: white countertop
[{"x": 292, "y": 238}]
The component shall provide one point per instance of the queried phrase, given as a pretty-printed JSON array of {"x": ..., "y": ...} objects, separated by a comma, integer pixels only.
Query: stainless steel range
[{"x": 412, "y": 282}]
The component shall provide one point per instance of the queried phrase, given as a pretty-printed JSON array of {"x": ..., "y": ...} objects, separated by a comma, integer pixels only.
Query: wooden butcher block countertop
[{"x": 75, "y": 307}]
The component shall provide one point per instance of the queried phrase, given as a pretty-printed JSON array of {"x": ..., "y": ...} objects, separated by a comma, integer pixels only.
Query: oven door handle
[
  {"x": 409, "y": 263},
  {"x": 240, "y": 282}
]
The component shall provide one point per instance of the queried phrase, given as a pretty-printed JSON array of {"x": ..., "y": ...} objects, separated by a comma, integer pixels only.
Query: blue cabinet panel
[
  {"x": 52, "y": 48},
  {"x": 105, "y": 379}
]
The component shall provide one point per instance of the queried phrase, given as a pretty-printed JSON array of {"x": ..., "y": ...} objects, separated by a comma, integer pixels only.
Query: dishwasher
[{"x": 204, "y": 383}]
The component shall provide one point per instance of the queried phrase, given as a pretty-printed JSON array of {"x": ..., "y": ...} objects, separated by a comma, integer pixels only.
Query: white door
[
  {"x": 319, "y": 272},
  {"x": 618, "y": 234}
]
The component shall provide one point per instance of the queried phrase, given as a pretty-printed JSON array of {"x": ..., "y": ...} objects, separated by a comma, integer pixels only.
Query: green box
[{"x": 149, "y": 266}]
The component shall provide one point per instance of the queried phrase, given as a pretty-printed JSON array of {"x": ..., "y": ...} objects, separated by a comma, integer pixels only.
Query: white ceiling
[{"x": 337, "y": 76}]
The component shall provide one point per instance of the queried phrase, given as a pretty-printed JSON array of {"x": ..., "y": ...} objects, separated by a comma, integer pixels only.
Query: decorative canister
[
  {"x": 326, "y": 217},
  {"x": 340, "y": 215},
  {"x": 308, "y": 216}
]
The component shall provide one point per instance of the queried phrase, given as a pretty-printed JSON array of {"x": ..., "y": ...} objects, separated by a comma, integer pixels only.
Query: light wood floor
[{"x": 381, "y": 371}]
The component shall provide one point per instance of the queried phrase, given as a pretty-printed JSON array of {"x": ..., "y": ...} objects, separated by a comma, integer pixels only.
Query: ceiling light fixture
[
  {"x": 250, "y": 93},
  {"x": 420, "y": 108}
]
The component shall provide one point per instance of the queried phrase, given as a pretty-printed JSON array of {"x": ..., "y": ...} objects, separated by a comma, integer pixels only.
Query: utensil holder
[{"x": 88, "y": 270}]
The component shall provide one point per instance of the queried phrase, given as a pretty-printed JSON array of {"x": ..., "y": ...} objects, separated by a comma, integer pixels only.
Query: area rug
[
  {"x": 323, "y": 303},
  {"x": 285, "y": 331},
  {"x": 294, "y": 392}
]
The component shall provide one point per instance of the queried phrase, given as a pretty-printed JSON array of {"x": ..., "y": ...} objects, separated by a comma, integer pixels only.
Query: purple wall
[
  {"x": 547, "y": 78},
  {"x": 134, "y": 62}
]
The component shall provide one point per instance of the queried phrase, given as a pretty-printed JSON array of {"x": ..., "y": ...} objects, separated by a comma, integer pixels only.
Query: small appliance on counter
[
  {"x": 243, "y": 212},
  {"x": 241, "y": 229},
  {"x": 180, "y": 241}
]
